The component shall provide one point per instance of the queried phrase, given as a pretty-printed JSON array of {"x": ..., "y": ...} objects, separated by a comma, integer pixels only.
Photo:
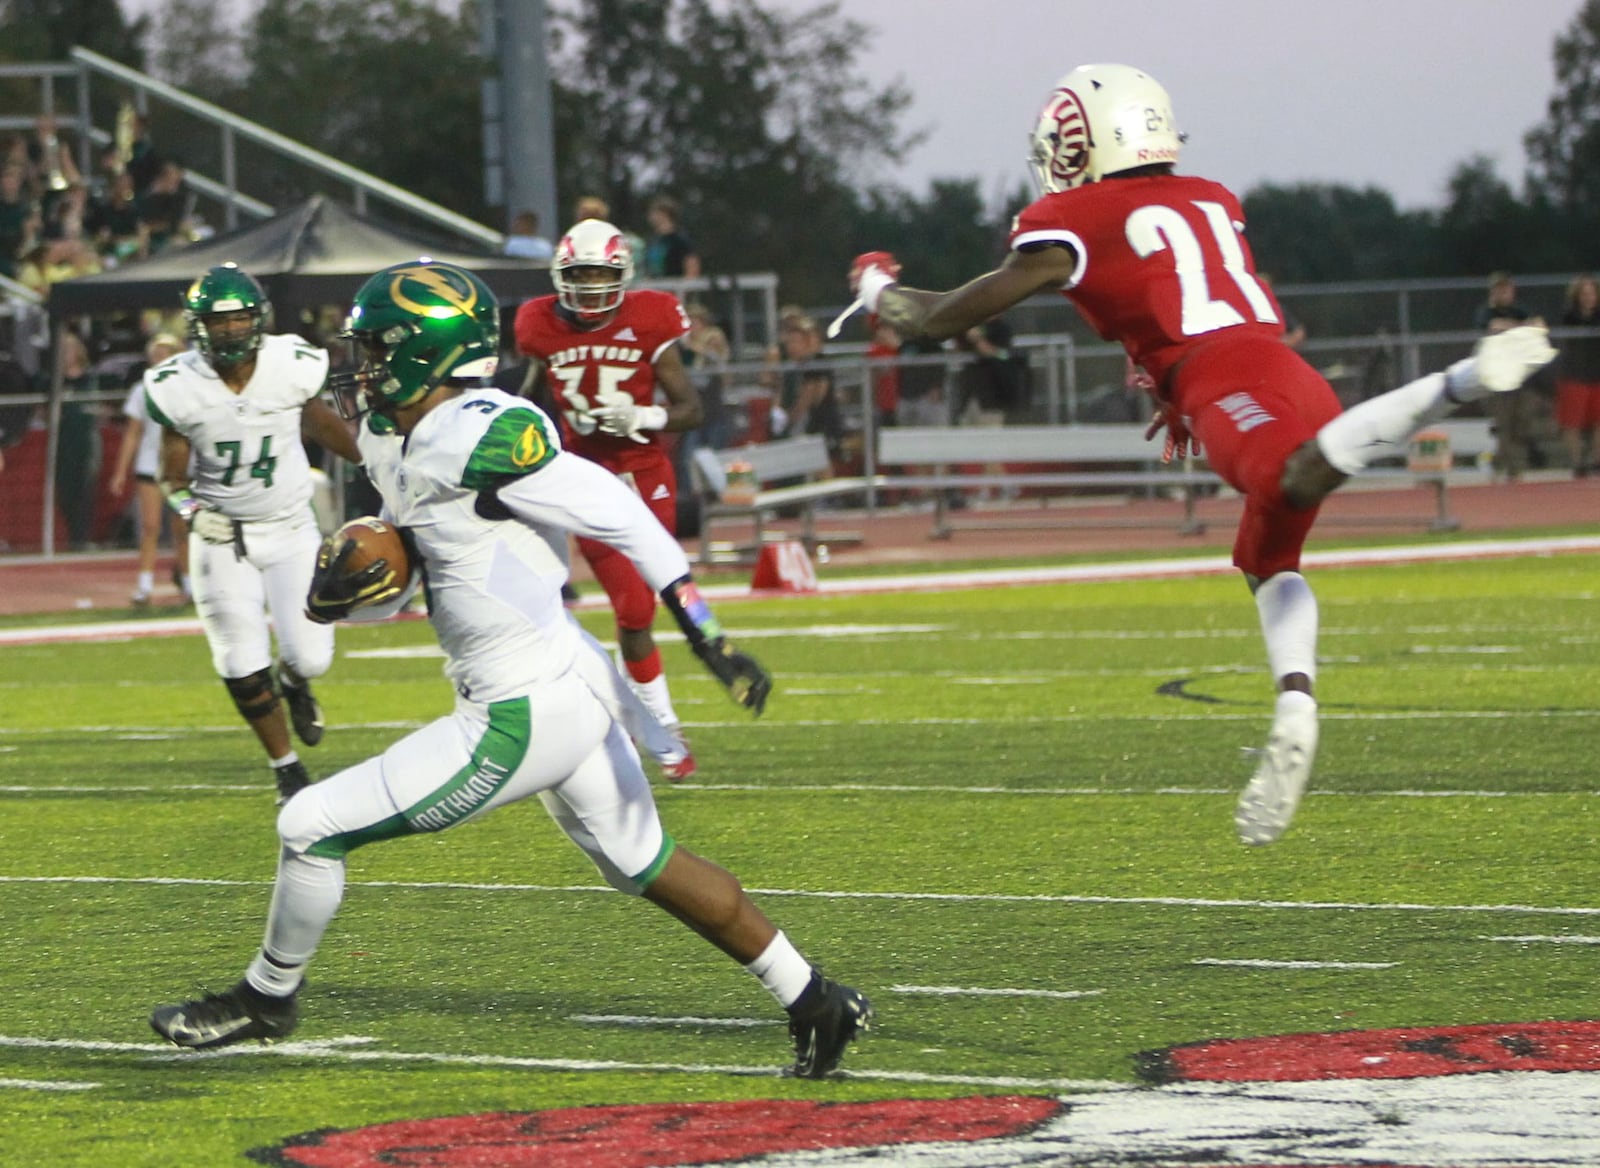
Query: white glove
[
  {"x": 211, "y": 526},
  {"x": 626, "y": 419}
]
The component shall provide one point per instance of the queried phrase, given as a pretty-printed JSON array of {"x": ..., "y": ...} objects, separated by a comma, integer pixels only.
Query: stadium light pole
[{"x": 519, "y": 165}]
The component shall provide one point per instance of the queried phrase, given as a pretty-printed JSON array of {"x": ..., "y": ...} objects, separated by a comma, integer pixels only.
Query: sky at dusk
[{"x": 1386, "y": 93}]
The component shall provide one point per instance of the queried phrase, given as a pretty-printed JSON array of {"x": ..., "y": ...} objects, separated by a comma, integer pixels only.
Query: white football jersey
[
  {"x": 248, "y": 462},
  {"x": 494, "y": 580}
]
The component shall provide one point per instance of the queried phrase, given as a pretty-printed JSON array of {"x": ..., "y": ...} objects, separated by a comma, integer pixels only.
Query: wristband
[
  {"x": 870, "y": 286},
  {"x": 683, "y": 600},
  {"x": 650, "y": 418},
  {"x": 183, "y": 503}
]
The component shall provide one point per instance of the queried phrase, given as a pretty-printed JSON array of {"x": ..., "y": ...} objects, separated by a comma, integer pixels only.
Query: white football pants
[{"x": 234, "y": 596}]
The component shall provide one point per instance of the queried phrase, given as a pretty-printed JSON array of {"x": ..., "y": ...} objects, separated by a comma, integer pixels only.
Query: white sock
[
  {"x": 656, "y": 699},
  {"x": 146, "y": 584},
  {"x": 304, "y": 899},
  {"x": 1288, "y": 611},
  {"x": 782, "y": 970},
  {"x": 291, "y": 757},
  {"x": 1381, "y": 426},
  {"x": 1289, "y": 699}
]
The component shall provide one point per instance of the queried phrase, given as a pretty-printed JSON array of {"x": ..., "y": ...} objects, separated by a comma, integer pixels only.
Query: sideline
[{"x": 941, "y": 581}]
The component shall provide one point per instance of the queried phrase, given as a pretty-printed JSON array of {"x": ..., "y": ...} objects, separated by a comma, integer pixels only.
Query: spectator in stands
[
  {"x": 164, "y": 208},
  {"x": 1578, "y": 376},
  {"x": 19, "y": 216},
  {"x": 114, "y": 222},
  {"x": 1513, "y": 413},
  {"x": 807, "y": 400},
  {"x": 706, "y": 353},
  {"x": 78, "y": 450},
  {"x": 923, "y": 401},
  {"x": 525, "y": 242},
  {"x": 885, "y": 344},
  {"x": 994, "y": 383},
  {"x": 140, "y": 453},
  {"x": 669, "y": 253},
  {"x": 143, "y": 160},
  {"x": 594, "y": 207},
  {"x": 55, "y": 260}
]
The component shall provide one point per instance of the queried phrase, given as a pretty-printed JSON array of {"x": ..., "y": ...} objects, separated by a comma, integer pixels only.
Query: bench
[
  {"x": 1113, "y": 458},
  {"x": 804, "y": 458}
]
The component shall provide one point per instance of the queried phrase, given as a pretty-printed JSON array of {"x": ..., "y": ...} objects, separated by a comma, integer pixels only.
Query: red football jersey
[
  {"x": 1162, "y": 264},
  {"x": 595, "y": 367}
]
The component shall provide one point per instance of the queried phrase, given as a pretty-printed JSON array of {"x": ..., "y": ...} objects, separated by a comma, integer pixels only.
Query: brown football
[{"x": 375, "y": 540}]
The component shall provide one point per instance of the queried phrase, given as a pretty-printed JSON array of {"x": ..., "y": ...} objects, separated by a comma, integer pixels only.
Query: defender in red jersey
[
  {"x": 1158, "y": 262},
  {"x": 606, "y": 351}
]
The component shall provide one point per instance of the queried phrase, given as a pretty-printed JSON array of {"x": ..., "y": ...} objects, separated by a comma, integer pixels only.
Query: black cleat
[
  {"x": 822, "y": 1022},
  {"x": 304, "y": 713},
  {"x": 292, "y": 779},
  {"x": 239, "y": 1014}
]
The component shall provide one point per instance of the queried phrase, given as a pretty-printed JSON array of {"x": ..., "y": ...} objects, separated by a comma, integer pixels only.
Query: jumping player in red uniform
[
  {"x": 1158, "y": 262},
  {"x": 606, "y": 351}
]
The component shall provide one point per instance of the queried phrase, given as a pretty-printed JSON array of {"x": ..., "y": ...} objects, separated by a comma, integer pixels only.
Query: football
[{"x": 375, "y": 540}]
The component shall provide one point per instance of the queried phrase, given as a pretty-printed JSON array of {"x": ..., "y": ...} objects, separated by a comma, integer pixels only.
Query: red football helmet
[{"x": 592, "y": 268}]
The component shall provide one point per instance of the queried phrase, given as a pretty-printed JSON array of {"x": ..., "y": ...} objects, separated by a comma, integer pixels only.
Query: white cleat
[
  {"x": 1505, "y": 360},
  {"x": 1273, "y": 793}
]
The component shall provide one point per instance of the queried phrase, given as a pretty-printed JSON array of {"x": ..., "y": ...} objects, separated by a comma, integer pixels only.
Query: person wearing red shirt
[
  {"x": 1157, "y": 261},
  {"x": 606, "y": 351}
]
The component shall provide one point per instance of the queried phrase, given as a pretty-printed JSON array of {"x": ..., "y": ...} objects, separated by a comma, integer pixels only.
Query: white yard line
[
  {"x": 343, "y": 1050},
  {"x": 1557, "y": 939},
  {"x": 1255, "y": 963},
  {"x": 653, "y": 1020},
  {"x": 809, "y": 894},
  {"x": 947, "y": 581},
  {"x": 45, "y": 1085},
  {"x": 992, "y": 992}
]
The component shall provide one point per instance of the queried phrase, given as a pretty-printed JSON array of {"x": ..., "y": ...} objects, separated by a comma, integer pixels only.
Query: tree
[
  {"x": 1564, "y": 152},
  {"x": 1311, "y": 232},
  {"x": 756, "y": 121},
  {"x": 44, "y": 30}
]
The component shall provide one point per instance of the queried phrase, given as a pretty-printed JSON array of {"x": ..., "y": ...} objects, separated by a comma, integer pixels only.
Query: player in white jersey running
[
  {"x": 480, "y": 482},
  {"x": 239, "y": 402}
]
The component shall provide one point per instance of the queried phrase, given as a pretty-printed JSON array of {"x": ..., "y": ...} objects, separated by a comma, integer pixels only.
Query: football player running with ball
[
  {"x": 1157, "y": 261},
  {"x": 239, "y": 403},
  {"x": 606, "y": 351},
  {"x": 480, "y": 481}
]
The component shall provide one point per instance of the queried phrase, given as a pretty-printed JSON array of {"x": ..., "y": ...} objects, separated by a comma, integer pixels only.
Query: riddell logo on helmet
[
  {"x": 1419, "y": 1097},
  {"x": 1148, "y": 155}
]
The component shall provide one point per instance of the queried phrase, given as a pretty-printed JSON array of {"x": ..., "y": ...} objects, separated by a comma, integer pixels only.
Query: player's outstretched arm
[{"x": 874, "y": 278}]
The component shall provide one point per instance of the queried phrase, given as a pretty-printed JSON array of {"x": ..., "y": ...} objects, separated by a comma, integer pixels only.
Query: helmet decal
[
  {"x": 1070, "y": 158},
  {"x": 438, "y": 283}
]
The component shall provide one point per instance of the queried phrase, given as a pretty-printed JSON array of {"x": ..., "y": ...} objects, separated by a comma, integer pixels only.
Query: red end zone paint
[
  {"x": 657, "y": 1134},
  {"x": 1401, "y": 1053}
]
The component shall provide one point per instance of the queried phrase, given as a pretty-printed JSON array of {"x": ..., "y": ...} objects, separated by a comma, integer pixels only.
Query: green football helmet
[
  {"x": 207, "y": 307},
  {"x": 412, "y": 327}
]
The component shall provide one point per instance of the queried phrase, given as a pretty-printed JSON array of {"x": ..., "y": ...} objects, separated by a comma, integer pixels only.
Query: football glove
[
  {"x": 211, "y": 525},
  {"x": 740, "y": 673},
  {"x": 626, "y": 419},
  {"x": 870, "y": 274},
  {"x": 336, "y": 593}
]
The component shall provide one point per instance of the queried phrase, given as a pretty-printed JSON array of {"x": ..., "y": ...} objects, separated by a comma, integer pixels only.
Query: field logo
[{"x": 1412, "y": 1097}]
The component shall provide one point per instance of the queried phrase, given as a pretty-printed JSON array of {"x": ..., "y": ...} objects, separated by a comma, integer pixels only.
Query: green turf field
[{"x": 1026, "y": 791}]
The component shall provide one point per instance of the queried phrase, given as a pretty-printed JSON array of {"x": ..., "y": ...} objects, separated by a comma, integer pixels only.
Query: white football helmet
[
  {"x": 592, "y": 268},
  {"x": 1099, "y": 120}
]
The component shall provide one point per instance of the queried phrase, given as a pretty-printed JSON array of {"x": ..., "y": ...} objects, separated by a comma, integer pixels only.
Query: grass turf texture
[{"x": 1015, "y": 752}]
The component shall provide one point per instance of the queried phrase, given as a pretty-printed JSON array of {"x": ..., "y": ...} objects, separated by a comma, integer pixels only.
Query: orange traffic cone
[{"x": 784, "y": 566}]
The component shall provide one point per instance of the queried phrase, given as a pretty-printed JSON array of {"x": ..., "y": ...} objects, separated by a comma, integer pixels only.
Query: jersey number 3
[{"x": 1156, "y": 228}]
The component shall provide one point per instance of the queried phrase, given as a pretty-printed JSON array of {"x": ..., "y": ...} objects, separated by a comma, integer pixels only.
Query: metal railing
[{"x": 87, "y": 65}]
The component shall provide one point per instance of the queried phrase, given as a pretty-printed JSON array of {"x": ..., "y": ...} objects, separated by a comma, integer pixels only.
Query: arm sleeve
[{"x": 584, "y": 498}]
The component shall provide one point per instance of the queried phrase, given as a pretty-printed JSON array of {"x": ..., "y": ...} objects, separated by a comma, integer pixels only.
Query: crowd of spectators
[{"x": 57, "y": 223}]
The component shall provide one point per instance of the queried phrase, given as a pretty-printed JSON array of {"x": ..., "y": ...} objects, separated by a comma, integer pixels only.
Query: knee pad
[{"x": 254, "y": 694}]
